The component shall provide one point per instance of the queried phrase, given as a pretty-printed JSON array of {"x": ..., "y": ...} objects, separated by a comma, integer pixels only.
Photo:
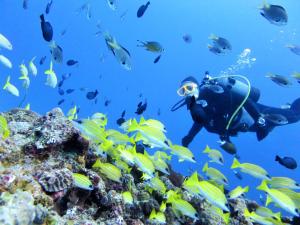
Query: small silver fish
[{"x": 277, "y": 119}]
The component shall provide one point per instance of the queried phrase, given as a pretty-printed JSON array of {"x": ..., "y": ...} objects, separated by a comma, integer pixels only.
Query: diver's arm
[{"x": 192, "y": 133}]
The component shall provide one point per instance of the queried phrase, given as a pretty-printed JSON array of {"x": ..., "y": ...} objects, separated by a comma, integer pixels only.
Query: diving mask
[{"x": 187, "y": 89}]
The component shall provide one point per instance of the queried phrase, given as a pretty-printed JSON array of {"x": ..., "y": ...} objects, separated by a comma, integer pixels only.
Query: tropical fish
[
  {"x": 112, "y": 4},
  {"x": 156, "y": 60},
  {"x": 48, "y": 6},
  {"x": 24, "y": 76},
  {"x": 142, "y": 9},
  {"x": 256, "y": 218},
  {"x": 32, "y": 67},
  {"x": 280, "y": 80},
  {"x": 127, "y": 197},
  {"x": 251, "y": 169},
  {"x": 187, "y": 38},
  {"x": 10, "y": 87},
  {"x": 275, "y": 14},
  {"x": 220, "y": 42},
  {"x": 283, "y": 182},
  {"x": 92, "y": 94},
  {"x": 156, "y": 184},
  {"x": 287, "y": 162},
  {"x": 5, "y": 61},
  {"x": 266, "y": 212},
  {"x": 144, "y": 164},
  {"x": 56, "y": 52},
  {"x": 51, "y": 76},
  {"x": 72, "y": 62},
  {"x": 151, "y": 46},
  {"x": 183, "y": 153},
  {"x": 158, "y": 217},
  {"x": 215, "y": 49},
  {"x": 214, "y": 175},
  {"x": 5, "y": 43},
  {"x": 237, "y": 192},
  {"x": 294, "y": 48},
  {"x": 215, "y": 155},
  {"x": 109, "y": 170},
  {"x": 82, "y": 181},
  {"x": 47, "y": 29},
  {"x": 141, "y": 108},
  {"x": 280, "y": 198},
  {"x": 42, "y": 60},
  {"x": 4, "y": 130},
  {"x": 72, "y": 113}
]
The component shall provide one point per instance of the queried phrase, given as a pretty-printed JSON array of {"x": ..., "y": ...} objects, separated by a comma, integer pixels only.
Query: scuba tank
[{"x": 236, "y": 87}]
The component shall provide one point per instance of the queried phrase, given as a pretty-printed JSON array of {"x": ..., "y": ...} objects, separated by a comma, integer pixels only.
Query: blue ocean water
[{"x": 166, "y": 22}]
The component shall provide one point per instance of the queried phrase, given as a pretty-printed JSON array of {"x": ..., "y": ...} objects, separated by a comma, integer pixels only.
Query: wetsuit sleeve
[
  {"x": 192, "y": 133},
  {"x": 252, "y": 108}
]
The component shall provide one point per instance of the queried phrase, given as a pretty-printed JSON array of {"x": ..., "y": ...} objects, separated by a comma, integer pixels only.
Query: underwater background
[{"x": 166, "y": 22}]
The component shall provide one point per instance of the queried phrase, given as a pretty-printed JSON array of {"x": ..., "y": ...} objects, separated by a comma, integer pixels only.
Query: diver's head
[{"x": 189, "y": 87}]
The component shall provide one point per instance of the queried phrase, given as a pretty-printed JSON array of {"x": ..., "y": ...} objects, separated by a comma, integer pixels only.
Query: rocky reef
[{"x": 37, "y": 161}]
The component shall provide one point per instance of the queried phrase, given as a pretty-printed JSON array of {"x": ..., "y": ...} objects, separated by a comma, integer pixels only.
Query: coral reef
[{"x": 37, "y": 187}]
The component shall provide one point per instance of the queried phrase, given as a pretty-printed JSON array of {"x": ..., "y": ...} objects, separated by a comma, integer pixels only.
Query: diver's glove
[{"x": 186, "y": 141}]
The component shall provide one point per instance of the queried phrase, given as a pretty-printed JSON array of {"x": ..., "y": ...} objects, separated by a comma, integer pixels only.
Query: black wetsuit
[{"x": 219, "y": 107}]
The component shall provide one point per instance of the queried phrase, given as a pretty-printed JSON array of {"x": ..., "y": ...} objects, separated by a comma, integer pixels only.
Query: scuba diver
[{"x": 226, "y": 106}]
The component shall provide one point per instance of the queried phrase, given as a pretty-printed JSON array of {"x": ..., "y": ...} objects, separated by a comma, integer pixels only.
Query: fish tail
[
  {"x": 277, "y": 158},
  {"x": 235, "y": 164},
  {"x": 7, "y": 83},
  {"x": 213, "y": 37},
  {"x": 205, "y": 167},
  {"x": 263, "y": 186},
  {"x": 246, "y": 189},
  {"x": 247, "y": 213},
  {"x": 207, "y": 149},
  {"x": 226, "y": 217},
  {"x": 42, "y": 18}
]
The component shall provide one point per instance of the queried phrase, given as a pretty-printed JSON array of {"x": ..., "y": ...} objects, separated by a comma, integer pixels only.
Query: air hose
[{"x": 244, "y": 100}]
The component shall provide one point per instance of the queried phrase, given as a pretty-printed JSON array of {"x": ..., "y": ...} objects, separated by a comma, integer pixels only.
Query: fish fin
[
  {"x": 269, "y": 200},
  {"x": 207, "y": 149},
  {"x": 42, "y": 18},
  {"x": 235, "y": 164},
  {"x": 246, "y": 189},
  {"x": 205, "y": 167},
  {"x": 180, "y": 160},
  {"x": 226, "y": 217},
  {"x": 31, "y": 61},
  {"x": 126, "y": 50},
  {"x": 7, "y": 83},
  {"x": 209, "y": 46},
  {"x": 213, "y": 37},
  {"x": 247, "y": 213},
  {"x": 263, "y": 186},
  {"x": 277, "y": 158}
]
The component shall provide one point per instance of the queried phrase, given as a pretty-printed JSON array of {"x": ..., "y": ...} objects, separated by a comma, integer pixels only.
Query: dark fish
[
  {"x": 63, "y": 32},
  {"x": 92, "y": 94},
  {"x": 279, "y": 79},
  {"x": 123, "y": 113},
  {"x": 25, "y": 4},
  {"x": 71, "y": 62},
  {"x": 141, "y": 108},
  {"x": 157, "y": 59},
  {"x": 142, "y": 9},
  {"x": 275, "y": 14},
  {"x": 121, "y": 119},
  {"x": 215, "y": 50},
  {"x": 46, "y": 29},
  {"x": 60, "y": 83},
  {"x": 287, "y": 162},
  {"x": 238, "y": 175},
  {"x": 42, "y": 60},
  {"x": 48, "y": 7},
  {"x": 61, "y": 102},
  {"x": 69, "y": 91},
  {"x": 294, "y": 48},
  {"x": 107, "y": 102},
  {"x": 66, "y": 76},
  {"x": 276, "y": 119},
  {"x": 61, "y": 91},
  {"x": 158, "y": 112},
  {"x": 82, "y": 89},
  {"x": 187, "y": 38},
  {"x": 228, "y": 147},
  {"x": 220, "y": 42}
]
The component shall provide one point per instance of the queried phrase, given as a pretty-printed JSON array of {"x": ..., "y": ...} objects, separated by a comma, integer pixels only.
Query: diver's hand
[{"x": 186, "y": 141}]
